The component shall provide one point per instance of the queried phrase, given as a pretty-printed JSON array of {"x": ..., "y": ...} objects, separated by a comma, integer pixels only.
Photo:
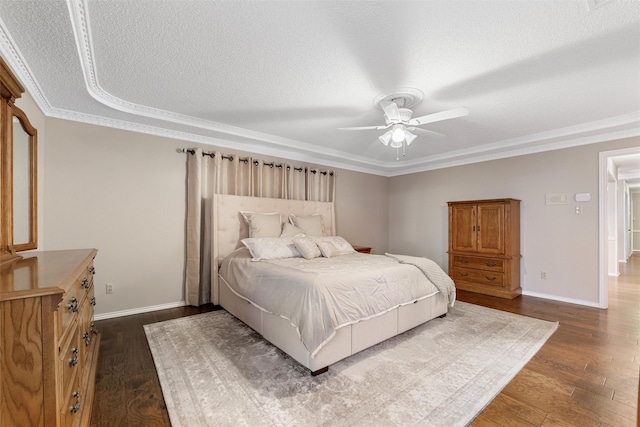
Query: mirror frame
[
  {"x": 33, "y": 183},
  {"x": 10, "y": 90}
]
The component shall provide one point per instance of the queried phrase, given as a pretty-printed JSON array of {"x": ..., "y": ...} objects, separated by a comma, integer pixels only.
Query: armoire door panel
[
  {"x": 490, "y": 228},
  {"x": 464, "y": 232}
]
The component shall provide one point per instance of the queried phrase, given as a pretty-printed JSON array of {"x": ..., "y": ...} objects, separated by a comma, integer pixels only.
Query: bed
[{"x": 344, "y": 337}]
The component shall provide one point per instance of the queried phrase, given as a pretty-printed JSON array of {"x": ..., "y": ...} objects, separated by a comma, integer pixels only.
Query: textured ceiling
[{"x": 279, "y": 77}]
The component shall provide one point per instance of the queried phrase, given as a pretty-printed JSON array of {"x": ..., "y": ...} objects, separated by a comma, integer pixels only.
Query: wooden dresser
[
  {"x": 484, "y": 246},
  {"x": 48, "y": 346}
]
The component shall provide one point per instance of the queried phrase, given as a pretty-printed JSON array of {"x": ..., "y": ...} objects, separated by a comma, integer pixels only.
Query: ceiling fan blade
[
  {"x": 436, "y": 117},
  {"x": 424, "y": 131},
  {"x": 365, "y": 127},
  {"x": 391, "y": 111}
]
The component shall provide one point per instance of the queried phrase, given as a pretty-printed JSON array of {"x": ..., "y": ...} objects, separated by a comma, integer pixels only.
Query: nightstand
[{"x": 363, "y": 249}]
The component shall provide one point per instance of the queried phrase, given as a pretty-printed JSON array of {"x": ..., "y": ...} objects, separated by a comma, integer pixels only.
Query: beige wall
[
  {"x": 124, "y": 194},
  {"x": 362, "y": 214},
  {"x": 553, "y": 238}
]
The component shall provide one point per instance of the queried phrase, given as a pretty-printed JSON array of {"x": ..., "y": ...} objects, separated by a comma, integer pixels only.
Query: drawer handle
[
  {"x": 87, "y": 339},
  {"x": 490, "y": 278},
  {"x": 93, "y": 301},
  {"x": 463, "y": 274},
  {"x": 464, "y": 261},
  {"x": 85, "y": 283},
  {"x": 73, "y": 305},
  {"x": 75, "y": 408},
  {"x": 73, "y": 361},
  {"x": 94, "y": 330},
  {"x": 92, "y": 270},
  {"x": 490, "y": 264}
]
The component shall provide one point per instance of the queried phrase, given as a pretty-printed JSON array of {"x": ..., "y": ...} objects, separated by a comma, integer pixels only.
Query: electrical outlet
[
  {"x": 109, "y": 288},
  {"x": 543, "y": 275}
]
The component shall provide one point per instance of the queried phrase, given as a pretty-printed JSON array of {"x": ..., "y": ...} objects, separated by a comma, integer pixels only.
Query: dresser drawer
[
  {"x": 69, "y": 308},
  {"x": 72, "y": 401},
  {"x": 490, "y": 264},
  {"x": 69, "y": 358},
  {"x": 85, "y": 322},
  {"x": 477, "y": 276},
  {"x": 84, "y": 282}
]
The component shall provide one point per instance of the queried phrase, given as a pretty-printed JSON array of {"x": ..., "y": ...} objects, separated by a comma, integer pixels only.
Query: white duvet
[{"x": 321, "y": 295}]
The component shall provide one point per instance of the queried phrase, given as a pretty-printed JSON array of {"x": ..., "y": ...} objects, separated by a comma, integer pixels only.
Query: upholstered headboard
[{"x": 229, "y": 227}]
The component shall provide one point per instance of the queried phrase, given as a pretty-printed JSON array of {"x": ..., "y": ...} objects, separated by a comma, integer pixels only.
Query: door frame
[{"x": 603, "y": 250}]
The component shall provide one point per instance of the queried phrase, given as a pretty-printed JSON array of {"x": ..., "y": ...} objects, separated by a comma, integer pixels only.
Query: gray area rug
[{"x": 215, "y": 371}]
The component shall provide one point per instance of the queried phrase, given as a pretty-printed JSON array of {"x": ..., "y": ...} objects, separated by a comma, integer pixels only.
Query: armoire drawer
[
  {"x": 478, "y": 276},
  {"x": 490, "y": 264}
]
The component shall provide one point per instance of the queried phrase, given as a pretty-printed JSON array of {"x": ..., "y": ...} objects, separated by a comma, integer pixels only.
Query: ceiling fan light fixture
[
  {"x": 398, "y": 134},
  {"x": 396, "y": 108},
  {"x": 395, "y": 144},
  {"x": 386, "y": 137}
]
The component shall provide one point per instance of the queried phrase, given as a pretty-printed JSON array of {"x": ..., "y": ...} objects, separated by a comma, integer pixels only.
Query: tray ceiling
[{"x": 279, "y": 78}]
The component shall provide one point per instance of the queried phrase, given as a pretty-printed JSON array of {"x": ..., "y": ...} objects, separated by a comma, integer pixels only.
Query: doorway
[{"x": 630, "y": 158}]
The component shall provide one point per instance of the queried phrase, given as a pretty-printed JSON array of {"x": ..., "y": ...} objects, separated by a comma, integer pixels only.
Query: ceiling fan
[{"x": 398, "y": 121}]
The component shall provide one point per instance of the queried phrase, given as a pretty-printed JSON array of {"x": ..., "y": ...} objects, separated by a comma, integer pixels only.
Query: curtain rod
[{"x": 245, "y": 160}]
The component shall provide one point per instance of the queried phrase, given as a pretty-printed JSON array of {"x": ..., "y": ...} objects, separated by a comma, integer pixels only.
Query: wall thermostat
[{"x": 583, "y": 197}]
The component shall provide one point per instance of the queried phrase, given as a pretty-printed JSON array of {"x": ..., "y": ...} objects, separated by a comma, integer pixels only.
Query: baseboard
[
  {"x": 562, "y": 299},
  {"x": 138, "y": 310}
]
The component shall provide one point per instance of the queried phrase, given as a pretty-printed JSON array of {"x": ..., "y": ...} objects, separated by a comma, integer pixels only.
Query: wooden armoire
[{"x": 484, "y": 246}]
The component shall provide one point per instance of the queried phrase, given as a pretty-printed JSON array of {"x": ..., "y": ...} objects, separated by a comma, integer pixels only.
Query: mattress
[{"x": 321, "y": 295}]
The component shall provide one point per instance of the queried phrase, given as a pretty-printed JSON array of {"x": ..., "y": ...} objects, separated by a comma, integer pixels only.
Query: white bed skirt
[{"x": 348, "y": 339}]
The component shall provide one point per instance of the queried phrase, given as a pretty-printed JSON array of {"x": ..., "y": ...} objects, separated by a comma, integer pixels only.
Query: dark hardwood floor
[
  {"x": 585, "y": 375},
  {"x": 127, "y": 390}
]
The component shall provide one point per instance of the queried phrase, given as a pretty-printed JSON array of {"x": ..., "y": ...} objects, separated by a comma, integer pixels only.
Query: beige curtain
[{"x": 217, "y": 173}]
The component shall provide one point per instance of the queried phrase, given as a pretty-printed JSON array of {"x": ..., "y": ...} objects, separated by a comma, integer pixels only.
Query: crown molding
[
  {"x": 19, "y": 66},
  {"x": 453, "y": 160},
  {"x": 271, "y": 145}
]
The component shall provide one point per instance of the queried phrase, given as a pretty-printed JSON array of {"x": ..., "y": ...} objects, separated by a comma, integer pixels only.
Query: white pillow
[
  {"x": 328, "y": 249},
  {"x": 307, "y": 247},
  {"x": 290, "y": 230},
  {"x": 263, "y": 224},
  {"x": 341, "y": 245},
  {"x": 270, "y": 248},
  {"x": 312, "y": 225}
]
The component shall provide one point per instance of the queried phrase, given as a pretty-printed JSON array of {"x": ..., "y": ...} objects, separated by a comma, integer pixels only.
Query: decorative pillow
[
  {"x": 328, "y": 249},
  {"x": 312, "y": 225},
  {"x": 341, "y": 245},
  {"x": 263, "y": 224},
  {"x": 307, "y": 247},
  {"x": 290, "y": 230},
  {"x": 270, "y": 248}
]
